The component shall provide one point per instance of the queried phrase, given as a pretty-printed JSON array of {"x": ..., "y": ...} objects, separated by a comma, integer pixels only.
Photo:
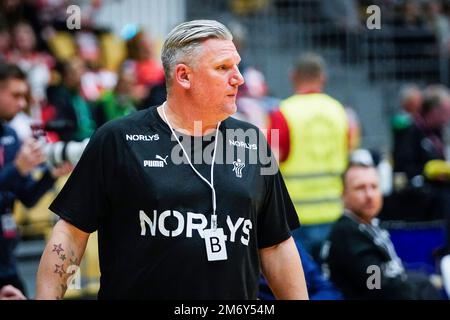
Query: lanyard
[{"x": 210, "y": 184}]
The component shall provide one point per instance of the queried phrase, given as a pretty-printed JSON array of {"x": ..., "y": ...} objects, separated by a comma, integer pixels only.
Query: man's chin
[
  {"x": 370, "y": 214},
  {"x": 230, "y": 109}
]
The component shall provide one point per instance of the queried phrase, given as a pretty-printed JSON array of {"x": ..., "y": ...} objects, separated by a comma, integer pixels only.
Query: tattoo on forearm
[
  {"x": 61, "y": 269},
  {"x": 57, "y": 248}
]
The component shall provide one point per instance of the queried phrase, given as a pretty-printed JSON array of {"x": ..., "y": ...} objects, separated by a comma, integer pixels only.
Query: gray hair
[
  {"x": 185, "y": 39},
  {"x": 407, "y": 91}
]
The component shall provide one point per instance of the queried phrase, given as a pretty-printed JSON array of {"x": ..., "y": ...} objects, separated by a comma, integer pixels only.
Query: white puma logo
[
  {"x": 156, "y": 163},
  {"x": 161, "y": 158}
]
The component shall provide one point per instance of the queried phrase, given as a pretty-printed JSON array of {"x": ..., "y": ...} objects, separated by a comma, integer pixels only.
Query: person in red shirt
[{"x": 312, "y": 126}]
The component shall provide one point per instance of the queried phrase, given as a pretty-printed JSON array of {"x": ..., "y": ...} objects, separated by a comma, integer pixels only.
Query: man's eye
[{"x": 222, "y": 67}]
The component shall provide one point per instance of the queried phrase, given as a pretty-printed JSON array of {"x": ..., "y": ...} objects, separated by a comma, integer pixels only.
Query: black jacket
[
  {"x": 413, "y": 148},
  {"x": 14, "y": 186},
  {"x": 61, "y": 98},
  {"x": 353, "y": 248}
]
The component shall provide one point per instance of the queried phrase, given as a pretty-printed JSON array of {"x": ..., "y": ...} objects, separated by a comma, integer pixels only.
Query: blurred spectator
[
  {"x": 70, "y": 104},
  {"x": 357, "y": 246},
  {"x": 313, "y": 149},
  {"x": 35, "y": 64},
  {"x": 14, "y": 11},
  {"x": 253, "y": 104},
  {"x": 411, "y": 99},
  {"x": 148, "y": 70},
  {"x": 17, "y": 160},
  {"x": 420, "y": 156},
  {"x": 410, "y": 102},
  {"x": 96, "y": 79},
  {"x": 5, "y": 41},
  {"x": 423, "y": 141},
  {"x": 119, "y": 102},
  {"x": 23, "y": 120}
]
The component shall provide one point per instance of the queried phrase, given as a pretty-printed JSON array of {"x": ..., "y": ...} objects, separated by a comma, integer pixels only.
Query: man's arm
[
  {"x": 10, "y": 178},
  {"x": 14, "y": 174},
  {"x": 65, "y": 249},
  {"x": 283, "y": 270},
  {"x": 32, "y": 190}
]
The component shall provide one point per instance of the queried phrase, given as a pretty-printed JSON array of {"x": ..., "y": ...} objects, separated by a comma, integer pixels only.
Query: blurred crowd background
[{"x": 79, "y": 79}]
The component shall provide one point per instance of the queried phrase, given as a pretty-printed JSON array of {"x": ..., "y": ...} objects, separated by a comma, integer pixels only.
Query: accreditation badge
[
  {"x": 9, "y": 227},
  {"x": 216, "y": 249}
]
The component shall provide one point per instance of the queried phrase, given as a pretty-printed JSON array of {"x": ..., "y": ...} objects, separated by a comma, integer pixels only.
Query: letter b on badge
[{"x": 216, "y": 249}]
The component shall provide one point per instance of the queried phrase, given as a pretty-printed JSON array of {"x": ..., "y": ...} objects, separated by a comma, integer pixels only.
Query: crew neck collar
[{"x": 161, "y": 121}]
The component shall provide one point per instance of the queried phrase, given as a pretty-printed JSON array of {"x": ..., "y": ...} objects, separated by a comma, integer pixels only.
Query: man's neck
[
  {"x": 356, "y": 217},
  {"x": 186, "y": 121},
  {"x": 305, "y": 89}
]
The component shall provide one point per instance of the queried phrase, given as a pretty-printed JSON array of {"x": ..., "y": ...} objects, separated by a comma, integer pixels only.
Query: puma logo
[{"x": 161, "y": 158}]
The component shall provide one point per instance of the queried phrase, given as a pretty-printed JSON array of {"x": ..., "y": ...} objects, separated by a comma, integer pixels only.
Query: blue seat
[{"x": 415, "y": 243}]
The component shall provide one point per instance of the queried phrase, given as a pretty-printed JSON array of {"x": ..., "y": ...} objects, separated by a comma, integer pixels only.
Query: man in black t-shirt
[{"x": 188, "y": 202}]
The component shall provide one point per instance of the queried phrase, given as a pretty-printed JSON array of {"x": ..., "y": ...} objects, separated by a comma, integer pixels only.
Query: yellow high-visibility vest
[{"x": 318, "y": 130}]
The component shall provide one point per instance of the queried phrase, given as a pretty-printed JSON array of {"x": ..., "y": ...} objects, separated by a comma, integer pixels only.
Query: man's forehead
[
  {"x": 13, "y": 83},
  {"x": 357, "y": 175},
  {"x": 219, "y": 49},
  {"x": 18, "y": 85}
]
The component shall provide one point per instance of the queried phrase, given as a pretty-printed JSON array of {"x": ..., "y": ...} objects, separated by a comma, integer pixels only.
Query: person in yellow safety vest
[{"x": 313, "y": 147}]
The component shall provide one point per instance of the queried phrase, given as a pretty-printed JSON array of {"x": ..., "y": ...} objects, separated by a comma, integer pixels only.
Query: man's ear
[{"x": 183, "y": 75}]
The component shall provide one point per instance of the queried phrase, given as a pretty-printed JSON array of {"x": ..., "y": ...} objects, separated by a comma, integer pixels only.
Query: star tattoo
[
  {"x": 59, "y": 270},
  {"x": 57, "y": 248},
  {"x": 63, "y": 257}
]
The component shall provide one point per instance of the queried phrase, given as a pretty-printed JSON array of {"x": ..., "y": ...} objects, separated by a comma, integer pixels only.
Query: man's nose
[
  {"x": 237, "y": 79},
  {"x": 370, "y": 194},
  {"x": 22, "y": 103}
]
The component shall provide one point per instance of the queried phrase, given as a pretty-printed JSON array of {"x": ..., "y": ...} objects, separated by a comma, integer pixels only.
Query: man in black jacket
[
  {"x": 17, "y": 161},
  {"x": 360, "y": 255}
]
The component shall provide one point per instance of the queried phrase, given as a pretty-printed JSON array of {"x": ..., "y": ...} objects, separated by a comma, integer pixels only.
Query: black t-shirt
[{"x": 150, "y": 212}]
